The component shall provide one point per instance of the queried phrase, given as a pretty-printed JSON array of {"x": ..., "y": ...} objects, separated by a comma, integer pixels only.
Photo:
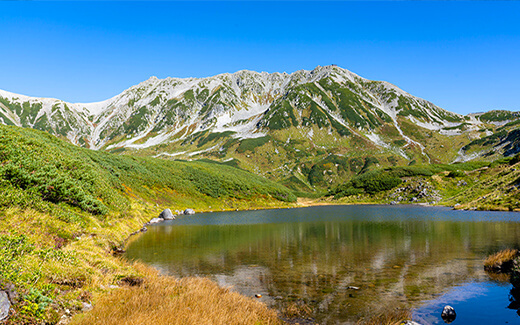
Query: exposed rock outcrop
[{"x": 5, "y": 305}]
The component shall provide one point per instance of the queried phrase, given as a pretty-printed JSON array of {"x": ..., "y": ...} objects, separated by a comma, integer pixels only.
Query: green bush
[
  {"x": 456, "y": 173},
  {"x": 370, "y": 183},
  {"x": 35, "y": 304},
  {"x": 375, "y": 182},
  {"x": 315, "y": 176},
  {"x": 409, "y": 171},
  {"x": 347, "y": 192}
]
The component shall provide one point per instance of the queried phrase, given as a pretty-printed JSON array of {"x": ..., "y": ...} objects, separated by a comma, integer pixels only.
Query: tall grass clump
[{"x": 501, "y": 261}]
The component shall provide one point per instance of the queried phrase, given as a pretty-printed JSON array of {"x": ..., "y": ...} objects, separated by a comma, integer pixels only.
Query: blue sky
[{"x": 462, "y": 56}]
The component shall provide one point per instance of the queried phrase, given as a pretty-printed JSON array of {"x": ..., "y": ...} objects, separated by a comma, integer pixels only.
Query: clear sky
[{"x": 462, "y": 56}]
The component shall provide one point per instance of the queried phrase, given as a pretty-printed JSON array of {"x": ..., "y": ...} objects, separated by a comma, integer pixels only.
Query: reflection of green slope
[{"x": 406, "y": 261}]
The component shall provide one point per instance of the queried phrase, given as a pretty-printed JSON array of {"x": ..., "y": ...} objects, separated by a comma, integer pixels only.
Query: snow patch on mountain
[
  {"x": 95, "y": 108},
  {"x": 157, "y": 110}
]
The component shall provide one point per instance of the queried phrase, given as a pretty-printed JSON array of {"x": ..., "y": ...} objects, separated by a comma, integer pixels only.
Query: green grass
[
  {"x": 64, "y": 208},
  {"x": 252, "y": 144},
  {"x": 215, "y": 136},
  {"x": 498, "y": 116},
  {"x": 281, "y": 116}
]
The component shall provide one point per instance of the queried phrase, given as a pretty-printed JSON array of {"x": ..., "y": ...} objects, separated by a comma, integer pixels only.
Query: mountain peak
[{"x": 244, "y": 104}]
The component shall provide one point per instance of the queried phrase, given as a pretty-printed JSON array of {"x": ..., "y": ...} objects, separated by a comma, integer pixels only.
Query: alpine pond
[{"x": 335, "y": 264}]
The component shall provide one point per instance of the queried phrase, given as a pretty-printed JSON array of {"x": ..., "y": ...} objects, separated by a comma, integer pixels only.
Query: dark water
[{"x": 310, "y": 258}]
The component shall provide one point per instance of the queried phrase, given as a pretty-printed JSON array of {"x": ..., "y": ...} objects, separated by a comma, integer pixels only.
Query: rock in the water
[
  {"x": 155, "y": 220},
  {"x": 5, "y": 305},
  {"x": 167, "y": 215},
  {"x": 410, "y": 322},
  {"x": 448, "y": 314},
  {"x": 189, "y": 211}
]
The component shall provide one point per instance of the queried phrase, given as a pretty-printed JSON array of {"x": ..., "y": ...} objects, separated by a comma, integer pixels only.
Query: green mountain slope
[
  {"x": 471, "y": 185},
  {"x": 65, "y": 209},
  {"x": 285, "y": 127}
]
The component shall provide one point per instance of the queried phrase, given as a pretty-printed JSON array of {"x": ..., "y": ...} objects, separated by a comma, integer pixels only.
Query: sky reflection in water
[{"x": 396, "y": 255}]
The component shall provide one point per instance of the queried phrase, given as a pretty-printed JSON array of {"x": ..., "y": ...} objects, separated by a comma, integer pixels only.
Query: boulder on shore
[
  {"x": 5, "y": 305},
  {"x": 167, "y": 215},
  {"x": 155, "y": 220},
  {"x": 189, "y": 211}
]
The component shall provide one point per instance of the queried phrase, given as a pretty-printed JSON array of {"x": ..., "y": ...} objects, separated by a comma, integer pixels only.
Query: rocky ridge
[{"x": 259, "y": 120}]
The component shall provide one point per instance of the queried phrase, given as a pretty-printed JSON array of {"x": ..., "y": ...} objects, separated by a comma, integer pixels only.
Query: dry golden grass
[
  {"x": 500, "y": 261},
  {"x": 391, "y": 316},
  {"x": 168, "y": 300}
]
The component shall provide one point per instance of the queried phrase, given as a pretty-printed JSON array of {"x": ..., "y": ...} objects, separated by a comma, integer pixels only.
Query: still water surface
[{"x": 345, "y": 262}]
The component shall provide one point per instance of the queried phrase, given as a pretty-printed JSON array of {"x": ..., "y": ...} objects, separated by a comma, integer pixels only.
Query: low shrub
[{"x": 456, "y": 173}]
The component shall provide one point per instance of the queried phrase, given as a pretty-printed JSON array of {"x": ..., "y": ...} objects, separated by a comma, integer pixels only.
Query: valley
[{"x": 78, "y": 179}]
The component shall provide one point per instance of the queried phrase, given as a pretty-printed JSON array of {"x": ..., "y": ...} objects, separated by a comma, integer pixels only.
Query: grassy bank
[
  {"x": 65, "y": 210},
  {"x": 167, "y": 300}
]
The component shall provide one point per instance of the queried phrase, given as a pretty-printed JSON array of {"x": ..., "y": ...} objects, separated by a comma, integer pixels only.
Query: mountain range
[{"x": 308, "y": 129}]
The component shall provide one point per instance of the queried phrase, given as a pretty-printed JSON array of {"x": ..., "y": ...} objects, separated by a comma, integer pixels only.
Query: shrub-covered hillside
[
  {"x": 471, "y": 185},
  {"x": 37, "y": 169},
  {"x": 65, "y": 209}
]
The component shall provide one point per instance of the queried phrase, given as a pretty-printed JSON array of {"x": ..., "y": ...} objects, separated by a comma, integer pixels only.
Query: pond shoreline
[{"x": 416, "y": 228}]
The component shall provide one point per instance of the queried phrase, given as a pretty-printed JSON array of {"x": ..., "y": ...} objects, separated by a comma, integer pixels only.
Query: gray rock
[
  {"x": 155, "y": 220},
  {"x": 167, "y": 215},
  {"x": 462, "y": 183},
  {"x": 64, "y": 320},
  {"x": 5, "y": 305},
  {"x": 85, "y": 306},
  {"x": 189, "y": 211},
  {"x": 410, "y": 322}
]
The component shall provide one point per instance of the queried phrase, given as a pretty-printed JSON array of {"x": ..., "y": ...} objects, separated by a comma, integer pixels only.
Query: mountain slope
[
  {"x": 66, "y": 210},
  {"x": 287, "y": 121}
]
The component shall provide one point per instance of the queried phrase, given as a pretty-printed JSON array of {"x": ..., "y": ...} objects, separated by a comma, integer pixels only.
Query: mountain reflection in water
[{"x": 403, "y": 256}]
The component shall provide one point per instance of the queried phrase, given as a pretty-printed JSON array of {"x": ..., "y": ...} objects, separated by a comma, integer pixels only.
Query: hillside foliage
[{"x": 36, "y": 168}]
